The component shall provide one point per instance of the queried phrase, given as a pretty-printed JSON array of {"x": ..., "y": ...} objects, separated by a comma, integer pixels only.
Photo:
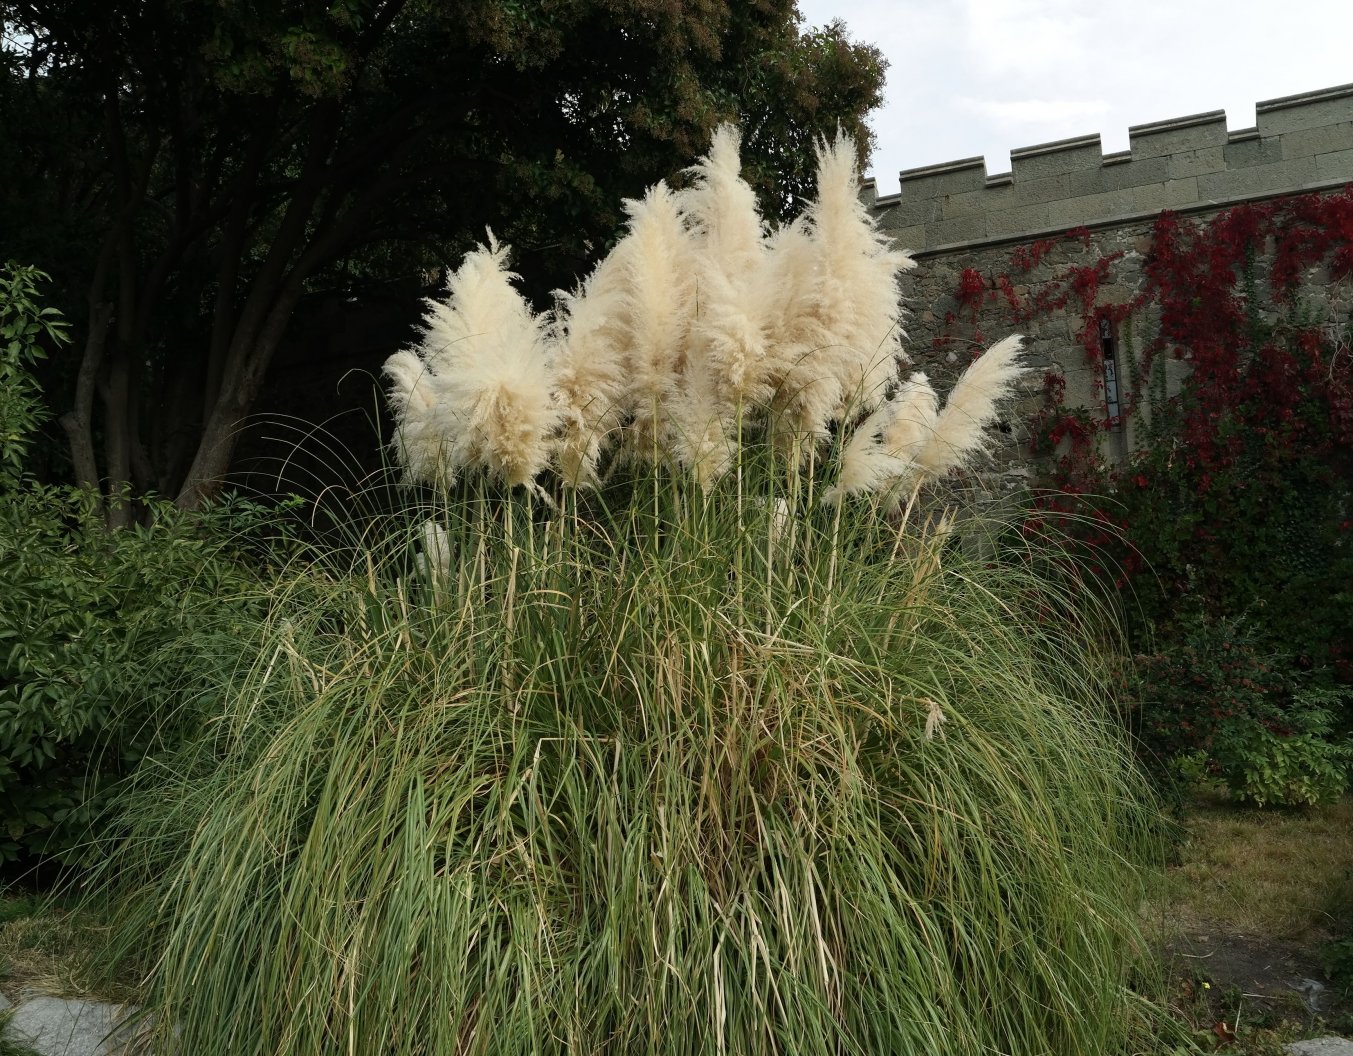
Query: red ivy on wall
[
  {"x": 1194, "y": 290},
  {"x": 1267, "y": 381}
]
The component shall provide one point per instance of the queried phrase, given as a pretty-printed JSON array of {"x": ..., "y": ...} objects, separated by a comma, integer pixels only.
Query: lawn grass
[
  {"x": 1283, "y": 874},
  {"x": 47, "y": 947},
  {"x": 1242, "y": 916}
]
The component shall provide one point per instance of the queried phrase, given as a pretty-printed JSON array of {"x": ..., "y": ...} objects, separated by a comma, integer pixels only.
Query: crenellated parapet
[{"x": 1187, "y": 164}]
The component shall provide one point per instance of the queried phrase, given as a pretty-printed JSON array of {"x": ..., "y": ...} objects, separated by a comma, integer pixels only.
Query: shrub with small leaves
[
  {"x": 24, "y": 326},
  {"x": 1294, "y": 764},
  {"x": 1215, "y": 694},
  {"x": 108, "y": 641}
]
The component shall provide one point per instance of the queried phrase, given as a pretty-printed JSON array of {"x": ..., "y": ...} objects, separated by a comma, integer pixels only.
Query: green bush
[
  {"x": 108, "y": 643},
  {"x": 1218, "y": 695},
  {"x": 628, "y": 780},
  {"x": 1338, "y": 962},
  {"x": 1293, "y": 761},
  {"x": 24, "y": 325}
]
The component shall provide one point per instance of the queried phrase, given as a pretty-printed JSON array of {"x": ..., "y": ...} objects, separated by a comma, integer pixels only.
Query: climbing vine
[{"x": 1233, "y": 512}]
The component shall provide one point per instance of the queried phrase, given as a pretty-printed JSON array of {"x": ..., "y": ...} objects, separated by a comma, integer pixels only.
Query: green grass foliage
[{"x": 661, "y": 775}]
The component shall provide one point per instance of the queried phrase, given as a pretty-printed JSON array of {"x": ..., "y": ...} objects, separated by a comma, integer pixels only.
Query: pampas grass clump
[
  {"x": 633, "y": 781},
  {"x": 689, "y": 759}
]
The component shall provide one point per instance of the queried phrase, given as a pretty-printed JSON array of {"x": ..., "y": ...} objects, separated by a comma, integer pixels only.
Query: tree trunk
[
  {"x": 242, "y": 379},
  {"x": 78, "y": 421}
]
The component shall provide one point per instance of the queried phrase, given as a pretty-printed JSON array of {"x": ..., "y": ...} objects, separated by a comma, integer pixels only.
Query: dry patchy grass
[
  {"x": 1242, "y": 917},
  {"x": 1280, "y": 874},
  {"x": 46, "y": 948}
]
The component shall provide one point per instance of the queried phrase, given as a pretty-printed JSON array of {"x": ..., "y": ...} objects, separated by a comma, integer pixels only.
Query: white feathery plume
[
  {"x": 699, "y": 431},
  {"x": 866, "y": 464},
  {"x": 433, "y": 561},
  {"x": 909, "y": 440},
  {"x": 934, "y": 719},
  {"x": 589, "y": 337},
  {"x": 655, "y": 265},
  {"x": 647, "y": 276},
  {"x": 727, "y": 328},
  {"x": 915, "y": 407},
  {"x": 959, "y": 433},
  {"x": 881, "y": 453},
  {"x": 728, "y": 336},
  {"x": 418, "y": 439},
  {"x": 655, "y": 260},
  {"x": 721, "y": 207},
  {"x": 807, "y": 392},
  {"x": 488, "y": 396},
  {"x": 856, "y": 299},
  {"x": 915, "y": 410}
]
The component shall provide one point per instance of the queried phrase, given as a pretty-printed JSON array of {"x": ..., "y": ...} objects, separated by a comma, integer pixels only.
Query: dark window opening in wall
[{"x": 1108, "y": 352}]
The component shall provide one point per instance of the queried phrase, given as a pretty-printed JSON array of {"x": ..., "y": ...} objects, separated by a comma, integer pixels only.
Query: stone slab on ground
[
  {"x": 1330, "y": 1046},
  {"x": 58, "y": 1026}
]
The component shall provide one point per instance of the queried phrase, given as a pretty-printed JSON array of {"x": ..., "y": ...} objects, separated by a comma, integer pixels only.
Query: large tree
[{"x": 191, "y": 169}]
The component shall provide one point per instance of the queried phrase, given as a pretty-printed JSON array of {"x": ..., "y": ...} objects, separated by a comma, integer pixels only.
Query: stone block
[
  {"x": 1328, "y": 106},
  {"x": 906, "y": 212},
  {"x": 1195, "y": 162},
  {"x": 55, "y": 1026},
  {"x": 1022, "y": 220},
  {"x": 1051, "y": 189},
  {"x": 1326, "y": 140},
  {"x": 954, "y": 177},
  {"x": 1092, "y": 181},
  {"x": 912, "y": 238},
  {"x": 1335, "y": 168},
  {"x": 1178, "y": 135},
  {"x": 1280, "y": 177},
  {"x": 1136, "y": 173},
  {"x": 958, "y": 231},
  {"x": 1170, "y": 194},
  {"x": 1256, "y": 150},
  {"x": 970, "y": 203},
  {"x": 1091, "y": 209},
  {"x": 1057, "y": 158},
  {"x": 1082, "y": 382},
  {"x": 1177, "y": 372},
  {"x": 1327, "y": 1046}
]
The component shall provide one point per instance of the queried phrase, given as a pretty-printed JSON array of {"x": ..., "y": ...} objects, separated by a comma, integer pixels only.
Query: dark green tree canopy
[{"x": 189, "y": 170}]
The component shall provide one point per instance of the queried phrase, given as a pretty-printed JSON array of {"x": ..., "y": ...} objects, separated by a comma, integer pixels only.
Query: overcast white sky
[{"x": 969, "y": 77}]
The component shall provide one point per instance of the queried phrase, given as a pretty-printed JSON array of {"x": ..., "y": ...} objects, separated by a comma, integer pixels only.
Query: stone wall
[
  {"x": 956, "y": 217},
  {"x": 1301, "y": 143}
]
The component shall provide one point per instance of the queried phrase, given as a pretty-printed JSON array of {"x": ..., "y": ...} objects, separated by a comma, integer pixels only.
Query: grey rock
[
  {"x": 1330, "y": 1046},
  {"x": 57, "y": 1026},
  {"x": 1311, "y": 991},
  {"x": 4, "y": 1002}
]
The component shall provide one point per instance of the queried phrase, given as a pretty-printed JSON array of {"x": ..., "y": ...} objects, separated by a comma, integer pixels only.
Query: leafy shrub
[
  {"x": 106, "y": 643},
  {"x": 1261, "y": 726},
  {"x": 1338, "y": 962},
  {"x": 1337, "y": 954},
  {"x": 106, "y": 638},
  {"x": 24, "y": 325},
  {"x": 1295, "y": 766}
]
